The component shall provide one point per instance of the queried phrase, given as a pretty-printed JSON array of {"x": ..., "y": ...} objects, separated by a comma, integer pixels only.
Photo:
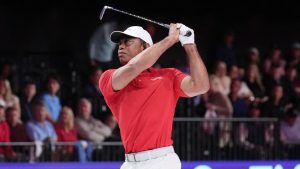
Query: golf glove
[{"x": 186, "y": 39}]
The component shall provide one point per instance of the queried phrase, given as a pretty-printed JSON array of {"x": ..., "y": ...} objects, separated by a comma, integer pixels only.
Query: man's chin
[{"x": 123, "y": 62}]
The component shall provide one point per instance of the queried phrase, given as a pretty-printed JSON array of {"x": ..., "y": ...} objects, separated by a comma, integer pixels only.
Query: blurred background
[{"x": 53, "y": 52}]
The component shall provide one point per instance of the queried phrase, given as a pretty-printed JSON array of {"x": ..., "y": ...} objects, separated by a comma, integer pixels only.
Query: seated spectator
[
  {"x": 6, "y": 94},
  {"x": 276, "y": 77},
  {"x": 6, "y": 152},
  {"x": 240, "y": 104},
  {"x": 26, "y": 98},
  {"x": 251, "y": 135},
  {"x": 89, "y": 128},
  {"x": 17, "y": 132},
  {"x": 253, "y": 57},
  {"x": 254, "y": 82},
  {"x": 294, "y": 57},
  {"x": 66, "y": 132},
  {"x": 91, "y": 91},
  {"x": 277, "y": 104},
  {"x": 40, "y": 130},
  {"x": 244, "y": 91},
  {"x": 219, "y": 104},
  {"x": 220, "y": 78},
  {"x": 289, "y": 133},
  {"x": 274, "y": 58},
  {"x": 50, "y": 98}
]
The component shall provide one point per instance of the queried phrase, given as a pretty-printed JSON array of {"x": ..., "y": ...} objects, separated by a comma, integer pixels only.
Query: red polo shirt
[{"x": 145, "y": 108}]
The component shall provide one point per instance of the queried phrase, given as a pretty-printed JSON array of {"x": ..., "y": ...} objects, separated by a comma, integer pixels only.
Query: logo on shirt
[{"x": 157, "y": 78}]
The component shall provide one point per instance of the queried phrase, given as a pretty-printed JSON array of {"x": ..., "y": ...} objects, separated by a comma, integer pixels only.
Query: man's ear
[{"x": 145, "y": 45}]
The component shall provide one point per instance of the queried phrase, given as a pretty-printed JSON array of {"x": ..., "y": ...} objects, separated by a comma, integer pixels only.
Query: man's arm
[
  {"x": 125, "y": 74},
  {"x": 198, "y": 82}
]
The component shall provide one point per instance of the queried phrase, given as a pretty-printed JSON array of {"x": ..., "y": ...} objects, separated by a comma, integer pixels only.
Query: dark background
[{"x": 66, "y": 26}]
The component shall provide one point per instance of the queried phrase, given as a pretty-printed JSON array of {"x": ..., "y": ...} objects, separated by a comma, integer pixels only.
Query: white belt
[{"x": 149, "y": 154}]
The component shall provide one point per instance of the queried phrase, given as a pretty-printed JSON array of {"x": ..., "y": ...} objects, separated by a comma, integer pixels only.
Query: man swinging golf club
[{"x": 143, "y": 99}]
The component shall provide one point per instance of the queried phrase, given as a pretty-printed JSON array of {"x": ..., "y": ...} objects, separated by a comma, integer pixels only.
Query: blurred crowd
[{"x": 41, "y": 118}]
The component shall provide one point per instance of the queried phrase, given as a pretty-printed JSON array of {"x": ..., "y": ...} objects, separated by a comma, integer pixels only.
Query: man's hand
[
  {"x": 174, "y": 32},
  {"x": 186, "y": 39}
]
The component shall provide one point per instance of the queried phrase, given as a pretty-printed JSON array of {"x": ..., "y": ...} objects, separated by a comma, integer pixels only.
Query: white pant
[{"x": 169, "y": 161}]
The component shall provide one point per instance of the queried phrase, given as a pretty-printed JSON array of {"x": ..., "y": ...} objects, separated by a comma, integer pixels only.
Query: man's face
[
  {"x": 129, "y": 47},
  {"x": 40, "y": 113},
  {"x": 85, "y": 109}
]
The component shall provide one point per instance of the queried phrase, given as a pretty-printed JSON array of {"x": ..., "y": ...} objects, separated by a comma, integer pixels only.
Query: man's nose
[{"x": 121, "y": 45}]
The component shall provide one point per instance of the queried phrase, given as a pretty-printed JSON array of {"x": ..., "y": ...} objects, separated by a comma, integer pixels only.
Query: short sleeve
[
  {"x": 105, "y": 83},
  {"x": 178, "y": 77}
]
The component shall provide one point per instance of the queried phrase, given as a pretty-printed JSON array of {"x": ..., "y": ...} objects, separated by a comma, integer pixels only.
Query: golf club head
[{"x": 103, "y": 11}]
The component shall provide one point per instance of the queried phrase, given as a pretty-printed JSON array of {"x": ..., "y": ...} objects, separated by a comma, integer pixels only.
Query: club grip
[{"x": 187, "y": 33}]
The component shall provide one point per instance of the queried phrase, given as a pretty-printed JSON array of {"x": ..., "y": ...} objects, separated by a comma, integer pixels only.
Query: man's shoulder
[{"x": 107, "y": 73}]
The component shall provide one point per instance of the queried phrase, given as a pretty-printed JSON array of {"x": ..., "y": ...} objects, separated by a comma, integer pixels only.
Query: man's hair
[{"x": 37, "y": 103}]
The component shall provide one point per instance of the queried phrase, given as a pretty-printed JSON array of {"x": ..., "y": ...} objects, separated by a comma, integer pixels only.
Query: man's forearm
[
  {"x": 139, "y": 63},
  {"x": 148, "y": 57}
]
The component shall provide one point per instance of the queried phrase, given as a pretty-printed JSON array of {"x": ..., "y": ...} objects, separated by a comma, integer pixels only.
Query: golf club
[{"x": 188, "y": 33}]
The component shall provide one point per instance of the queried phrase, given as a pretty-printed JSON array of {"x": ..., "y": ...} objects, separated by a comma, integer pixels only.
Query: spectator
[
  {"x": 6, "y": 152},
  {"x": 294, "y": 60},
  {"x": 88, "y": 128},
  {"x": 253, "y": 57},
  {"x": 41, "y": 131},
  {"x": 275, "y": 77},
  {"x": 220, "y": 79},
  {"x": 17, "y": 132},
  {"x": 50, "y": 98},
  {"x": 26, "y": 98},
  {"x": 240, "y": 104},
  {"x": 289, "y": 133},
  {"x": 253, "y": 80},
  {"x": 254, "y": 134},
  {"x": 244, "y": 91},
  {"x": 6, "y": 94},
  {"x": 277, "y": 104},
  {"x": 275, "y": 58},
  {"x": 219, "y": 104},
  {"x": 66, "y": 132},
  {"x": 91, "y": 91},
  {"x": 226, "y": 51}
]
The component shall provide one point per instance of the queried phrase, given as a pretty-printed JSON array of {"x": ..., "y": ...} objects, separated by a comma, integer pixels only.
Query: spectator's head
[
  {"x": 296, "y": 50},
  {"x": 277, "y": 92},
  {"x": 290, "y": 116},
  {"x": 39, "y": 111},
  {"x": 252, "y": 71},
  {"x": 2, "y": 109},
  {"x": 234, "y": 72},
  {"x": 254, "y": 112},
  {"x": 276, "y": 71},
  {"x": 235, "y": 85},
  {"x": 85, "y": 108},
  {"x": 94, "y": 75},
  {"x": 13, "y": 116},
  {"x": 221, "y": 69},
  {"x": 6, "y": 70},
  {"x": 29, "y": 89},
  {"x": 253, "y": 55},
  {"x": 52, "y": 84},
  {"x": 275, "y": 54},
  {"x": 66, "y": 117}
]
